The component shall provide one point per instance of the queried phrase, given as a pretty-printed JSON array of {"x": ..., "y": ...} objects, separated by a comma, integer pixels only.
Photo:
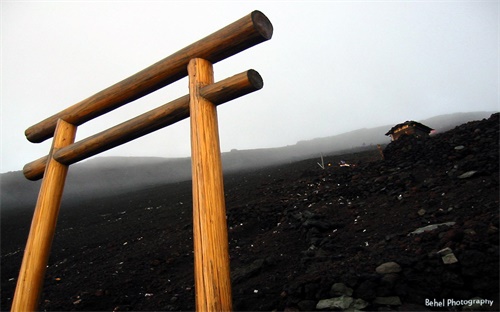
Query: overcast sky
[{"x": 331, "y": 66}]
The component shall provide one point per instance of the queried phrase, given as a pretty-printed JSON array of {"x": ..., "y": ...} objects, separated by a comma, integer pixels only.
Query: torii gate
[{"x": 211, "y": 260}]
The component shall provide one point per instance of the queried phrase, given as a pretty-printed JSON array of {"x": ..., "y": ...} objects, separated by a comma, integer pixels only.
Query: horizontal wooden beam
[
  {"x": 160, "y": 117},
  {"x": 230, "y": 40}
]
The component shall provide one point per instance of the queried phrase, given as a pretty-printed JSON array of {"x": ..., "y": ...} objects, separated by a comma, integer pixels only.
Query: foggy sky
[{"x": 331, "y": 66}]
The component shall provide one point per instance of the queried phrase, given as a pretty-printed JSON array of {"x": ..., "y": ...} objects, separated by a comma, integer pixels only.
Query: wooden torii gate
[{"x": 211, "y": 260}]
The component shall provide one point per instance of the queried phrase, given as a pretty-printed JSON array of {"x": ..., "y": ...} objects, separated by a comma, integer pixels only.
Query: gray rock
[
  {"x": 449, "y": 259},
  {"x": 342, "y": 302},
  {"x": 447, "y": 256},
  {"x": 389, "y": 280},
  {"x": 467, "y": 175},
  {"x": 392, "y": 301},
  {"x": 340, "y": 289},
  {"x": 445, "y": 251},
  {"x": 359, "y": 304},
  {"x": 388, "y": 267},
  {"x": 431, "y": 227}
]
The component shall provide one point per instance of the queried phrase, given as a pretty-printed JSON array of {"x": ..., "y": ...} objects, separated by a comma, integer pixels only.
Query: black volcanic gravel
[{"x": 295, "y": 230}]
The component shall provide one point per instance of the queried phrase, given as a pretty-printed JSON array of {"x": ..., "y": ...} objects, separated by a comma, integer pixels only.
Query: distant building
[{"x": 409, "y": 128}]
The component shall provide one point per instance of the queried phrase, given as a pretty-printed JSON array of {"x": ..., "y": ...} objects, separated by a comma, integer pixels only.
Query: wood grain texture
[
  {"x": 36, "y": 254},
  {"x": 230, "y": 40},
  {"x": 163, "y": 116},
  {"x": 211, "y": 247}
]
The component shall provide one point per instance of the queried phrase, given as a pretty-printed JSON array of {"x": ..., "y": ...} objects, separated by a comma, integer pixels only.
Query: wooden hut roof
[{"x": 410, "y": 123}]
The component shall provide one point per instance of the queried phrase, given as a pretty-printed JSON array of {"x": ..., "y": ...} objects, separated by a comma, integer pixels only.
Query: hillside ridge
[
  {"x": 101, "y": 176},
  {"x": 404, "y": 233}
]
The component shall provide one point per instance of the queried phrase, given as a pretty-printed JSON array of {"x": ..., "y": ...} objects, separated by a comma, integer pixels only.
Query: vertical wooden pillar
[
  {"x": 36, "y": 254},
  {"x": 211, "y": 247}
]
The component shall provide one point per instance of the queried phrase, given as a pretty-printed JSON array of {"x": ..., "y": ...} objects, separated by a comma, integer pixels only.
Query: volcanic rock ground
[{"x": 299, "y": 234}]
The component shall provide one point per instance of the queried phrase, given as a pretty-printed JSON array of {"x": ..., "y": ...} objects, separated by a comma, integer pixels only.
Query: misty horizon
[{"x": 382, "y": 138}]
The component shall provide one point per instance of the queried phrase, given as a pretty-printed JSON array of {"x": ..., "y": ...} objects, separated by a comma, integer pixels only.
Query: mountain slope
[
  {"x": 103, "y": 176},
  {"x": 394, "y": 234}
]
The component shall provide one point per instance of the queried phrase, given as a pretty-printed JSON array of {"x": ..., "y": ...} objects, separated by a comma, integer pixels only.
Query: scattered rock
[
  {"x": 431, "y": 227},
  {"x": 467, "y": 175},
  {"x": 449, "y": 259},
  {"x": 447, "y": 256},
  {"x": 492, "y": 230},
  {"x": 389, "y": 279},
  {"x": 342, "y": 302},
  {"x": 388, "y": 267},
  {"x": 343, "y": 222},
  {"x": 340, "y": 289},
  {"x": 359, "y": 304},
  {"x": 445, "y": 251}
]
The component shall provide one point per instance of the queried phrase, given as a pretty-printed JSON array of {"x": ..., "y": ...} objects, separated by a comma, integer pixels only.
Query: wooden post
[
  {"x": 211, "y": 247},
  {"x": 36, "y": 254},
  {"x": 381, "y": 151}
]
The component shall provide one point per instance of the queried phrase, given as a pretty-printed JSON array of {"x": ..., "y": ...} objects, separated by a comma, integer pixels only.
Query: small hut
[{"x": 409, "y": 128}]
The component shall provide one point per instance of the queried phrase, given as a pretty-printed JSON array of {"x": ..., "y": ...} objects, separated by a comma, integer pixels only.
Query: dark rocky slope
[{"x": 364, "y": 237}]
